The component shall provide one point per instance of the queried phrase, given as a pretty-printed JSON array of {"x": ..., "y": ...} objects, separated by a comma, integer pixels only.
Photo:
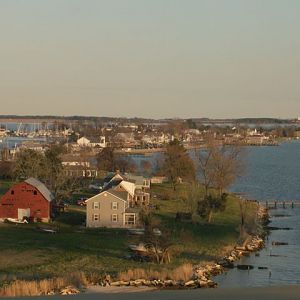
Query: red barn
[{"x": 30, "y": 199}]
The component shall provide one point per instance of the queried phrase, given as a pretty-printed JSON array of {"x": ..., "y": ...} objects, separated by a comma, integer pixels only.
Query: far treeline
[{"x": 138, "y": 119}]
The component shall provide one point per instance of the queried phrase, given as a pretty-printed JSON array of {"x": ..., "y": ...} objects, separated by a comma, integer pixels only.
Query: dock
[{"x": 281, "y": 204}]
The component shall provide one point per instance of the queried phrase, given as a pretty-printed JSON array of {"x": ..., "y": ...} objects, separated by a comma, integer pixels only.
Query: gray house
[{"x": 111, "y": 209}]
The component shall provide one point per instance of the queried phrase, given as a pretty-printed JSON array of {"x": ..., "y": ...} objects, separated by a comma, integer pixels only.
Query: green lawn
[
  {"x": 28, "y": 253},
  {"x": 72, "y": 249},
  {"x": 197, "y": 240}
]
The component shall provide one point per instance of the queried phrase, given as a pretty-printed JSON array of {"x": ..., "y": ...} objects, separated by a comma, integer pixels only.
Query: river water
[
  {"x": 273, "y": 173},
  {"x": 13, "y": 142}
]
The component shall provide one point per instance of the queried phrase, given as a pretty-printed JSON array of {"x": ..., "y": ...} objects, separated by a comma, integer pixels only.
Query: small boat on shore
[{"x": 16, "y": 221}]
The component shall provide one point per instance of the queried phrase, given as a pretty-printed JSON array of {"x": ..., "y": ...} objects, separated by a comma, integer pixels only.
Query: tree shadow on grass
[{"x": 197, "y": 257}]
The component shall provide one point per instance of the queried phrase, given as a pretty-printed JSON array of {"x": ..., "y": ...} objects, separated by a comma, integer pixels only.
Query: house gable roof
[
  {"x": 137, "y": 179},
  {"x": 41, "y": 188},
  {"x": 128, "y": 186},
  {"x": 120, "y": 195}
]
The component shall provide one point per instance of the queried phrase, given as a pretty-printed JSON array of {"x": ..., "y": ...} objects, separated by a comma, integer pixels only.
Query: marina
[{"x": 281, "y": 204}]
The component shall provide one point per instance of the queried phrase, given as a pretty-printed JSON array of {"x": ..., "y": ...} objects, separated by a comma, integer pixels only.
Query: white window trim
[
  {"x": 94, "y": 219},
  {"x": 112, "y": 218},
  {"x": 134, "y": 218},
  {"x": 113, "y": 207},
  {"x": 98, "y": 204}
]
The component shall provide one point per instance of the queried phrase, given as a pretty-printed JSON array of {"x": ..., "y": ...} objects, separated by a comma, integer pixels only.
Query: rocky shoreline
[{"x": 202, "y": 274}]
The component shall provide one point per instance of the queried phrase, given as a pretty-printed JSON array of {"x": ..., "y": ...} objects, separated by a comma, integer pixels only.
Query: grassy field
[
  {"x": 198, "y": 240},
  {"x": 28, "y": 253}
]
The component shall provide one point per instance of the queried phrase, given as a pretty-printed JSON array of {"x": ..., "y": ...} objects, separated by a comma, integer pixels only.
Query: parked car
[
  {"x": 81, "y": 202},
  {"x": 95, "y": 187}
]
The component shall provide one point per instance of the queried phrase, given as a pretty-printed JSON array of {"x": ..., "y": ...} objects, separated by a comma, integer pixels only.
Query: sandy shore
[
  {"x": 117, "y": 290},
  {"x": 265, "y": 293}
]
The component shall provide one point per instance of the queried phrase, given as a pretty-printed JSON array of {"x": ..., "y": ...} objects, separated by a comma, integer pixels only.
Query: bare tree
[
  {"x": 191, "y": 197},
  {"x": 243, "y": 210},
  {"x": 247, "y": 222},
  {"x": 219, "y": 166},
  {"x": 227, "y": 164},
  {"x": 159, "y": 246},
  {"x": 204, "y": 163}
]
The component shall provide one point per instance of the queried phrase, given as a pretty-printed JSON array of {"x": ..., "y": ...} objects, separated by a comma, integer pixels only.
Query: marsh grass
[
  {"x": 19, "y": 288},
  {"x": 183, "y": 272}
]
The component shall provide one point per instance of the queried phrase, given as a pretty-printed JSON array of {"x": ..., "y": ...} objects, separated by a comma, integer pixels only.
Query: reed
[
  {"x": 181, "y": 273},
  {"x": 19, "y": 288}
]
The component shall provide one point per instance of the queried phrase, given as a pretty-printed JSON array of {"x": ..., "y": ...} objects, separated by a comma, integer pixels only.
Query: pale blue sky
[{"x": 150, "y": 58}]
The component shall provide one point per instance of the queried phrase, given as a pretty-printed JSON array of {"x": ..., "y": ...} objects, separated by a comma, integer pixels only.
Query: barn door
[{"x": 23, "y": 212}]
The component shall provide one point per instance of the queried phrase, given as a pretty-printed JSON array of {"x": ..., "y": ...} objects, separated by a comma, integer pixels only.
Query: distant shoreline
[{"x": 153, "y": 150}]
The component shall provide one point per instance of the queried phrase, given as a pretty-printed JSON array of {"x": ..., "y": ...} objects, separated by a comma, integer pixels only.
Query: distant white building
[
  {"x": 72, "y": 160},
  {"x": 83, "y": 142},
  {"x": 92, "y": 142},
  {"x": 3, "y": 132}
]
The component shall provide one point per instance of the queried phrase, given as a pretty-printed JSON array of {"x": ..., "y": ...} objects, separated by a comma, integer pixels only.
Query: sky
[{"x": 150, "y": 58}]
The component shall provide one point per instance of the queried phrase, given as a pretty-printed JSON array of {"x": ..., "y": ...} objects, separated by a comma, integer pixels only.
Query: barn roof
[{"x": 41, "y": 187}]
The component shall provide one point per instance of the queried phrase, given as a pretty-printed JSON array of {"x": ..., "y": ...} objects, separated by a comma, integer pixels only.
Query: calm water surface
[
  {"x": 273, "y": 173},
  {"x": 12, "y": 142}
]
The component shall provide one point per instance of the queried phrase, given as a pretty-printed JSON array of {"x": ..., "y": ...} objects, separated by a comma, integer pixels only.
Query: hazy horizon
[
  {"x": 151, "y": 59},
  {"x": 19, "y": 116}
]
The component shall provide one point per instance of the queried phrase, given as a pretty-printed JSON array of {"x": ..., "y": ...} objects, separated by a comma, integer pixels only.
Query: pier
[{"x": 281, "y": 204}]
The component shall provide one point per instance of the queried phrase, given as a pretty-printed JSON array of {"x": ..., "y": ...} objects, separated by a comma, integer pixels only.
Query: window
[
  {"x": 12, "y": 192},
  {"x": 130, "y": 219},
  {"x": 115, "y": 205},
  {"x": 96, "y": 205},
  {"x": 34, "y": 192},
  {"x": 114, "y": 218},
  {"x": 96, "y": 217}
]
